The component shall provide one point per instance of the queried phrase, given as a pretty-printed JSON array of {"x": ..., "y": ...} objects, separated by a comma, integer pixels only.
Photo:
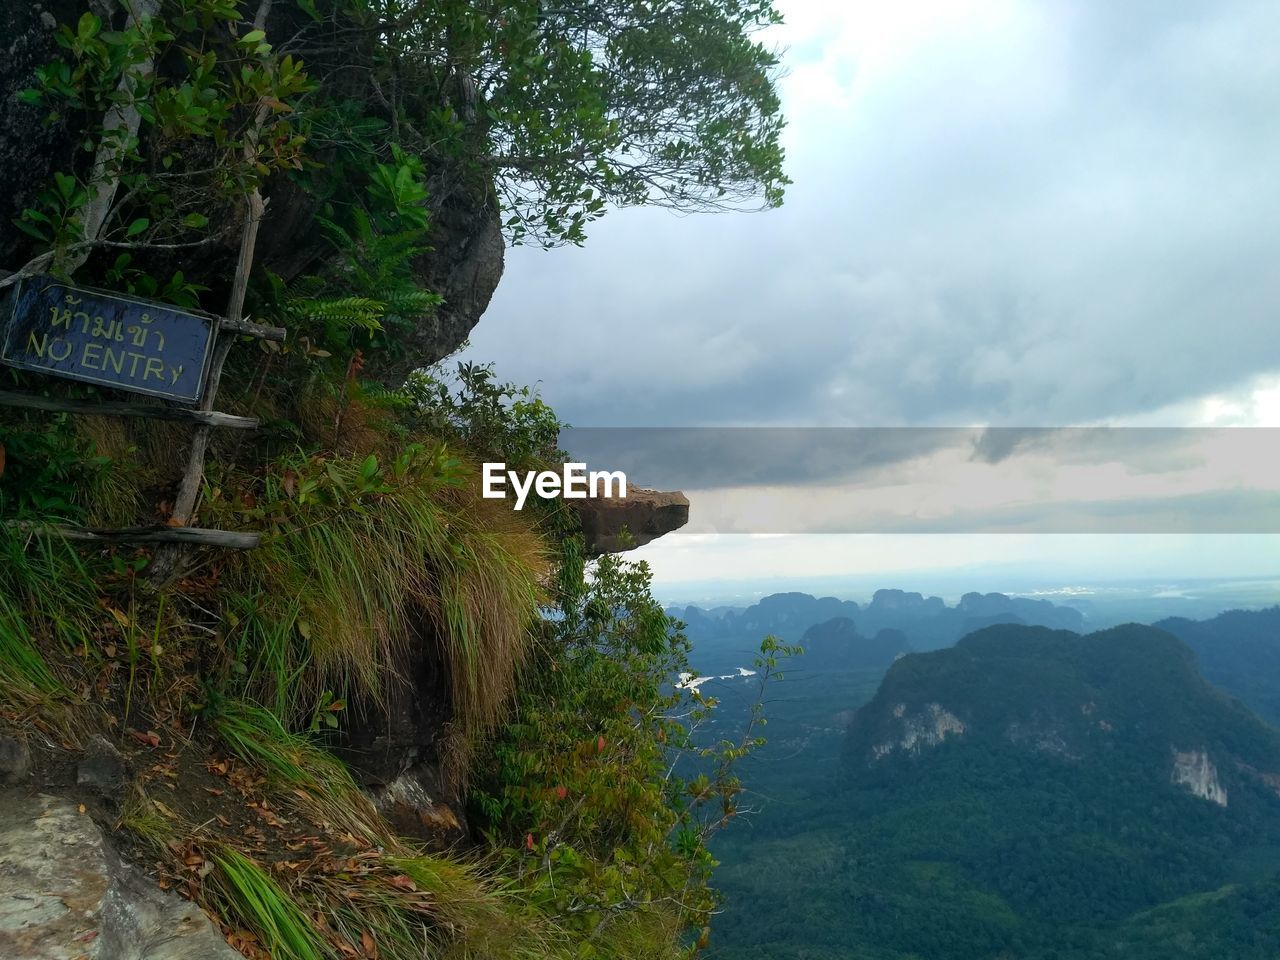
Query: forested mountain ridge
[
  {"x": 1131, "y": 691},
  {"x": 1238, "y": 650},
  {"x": 837, "y": 644},
  {"x": 1028, "y": 794}
]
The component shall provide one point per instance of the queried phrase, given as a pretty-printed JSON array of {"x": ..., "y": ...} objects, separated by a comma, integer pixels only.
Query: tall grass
[
  {"x": 407, "y": 908},
  {"x": 110, "y": 492},
  {"x": 248, "y": 894},
  {"x": 48, "y": 608},
  {"x": 268, "y": 650},
  {"x": 361, "y": 562},
  {"x": 24, "y": 674},
  {"x": 413, "y": 906},
  {"x": 295, "y": 765},
  {"x": 479, "y": 920}
]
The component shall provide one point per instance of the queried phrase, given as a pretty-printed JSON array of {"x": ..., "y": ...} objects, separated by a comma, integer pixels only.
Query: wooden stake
[
  {"x": 155, "y": 534},
  {"x": 107, "y": 408}
]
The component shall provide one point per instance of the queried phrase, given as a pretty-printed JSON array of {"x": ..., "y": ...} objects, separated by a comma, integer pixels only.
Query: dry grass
[
  {"x": 344, "y": 578},
  {"x": 326, "y": 877}
]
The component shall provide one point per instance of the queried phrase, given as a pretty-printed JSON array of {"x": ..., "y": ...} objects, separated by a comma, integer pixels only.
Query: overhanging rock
[{"x": 612, "y": 525}]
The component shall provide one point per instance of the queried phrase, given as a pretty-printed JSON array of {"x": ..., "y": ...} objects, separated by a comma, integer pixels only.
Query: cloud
[
  {"x": 789, "y": 480},
  {"x": 1019, "y": 213}
]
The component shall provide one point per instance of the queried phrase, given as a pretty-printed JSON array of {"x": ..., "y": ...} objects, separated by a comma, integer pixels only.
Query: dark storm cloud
[
  {"x": 952, "y": 480},
  {"x": 1063, "y": 213},
  {"x": 702, "y": 458}
]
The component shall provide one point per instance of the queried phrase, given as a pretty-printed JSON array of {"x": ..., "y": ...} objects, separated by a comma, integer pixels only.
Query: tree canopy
[{"x": 569, "y": 107}]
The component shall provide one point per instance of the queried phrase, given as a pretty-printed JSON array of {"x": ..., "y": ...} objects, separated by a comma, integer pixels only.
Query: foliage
[
  {"x": 565, "y": 109},
  {"x": 584, "y": 790},
  {"x": 45, "y": 468},
  {"x": 366, "y": 291},
  {"x": 180, "y": 143},
  {"x": 495, "y": 419},
  {"x": 357, "y": 552}
]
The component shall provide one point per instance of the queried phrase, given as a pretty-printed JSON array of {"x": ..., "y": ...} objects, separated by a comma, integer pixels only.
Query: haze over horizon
[{"x": 719, "y": 569}]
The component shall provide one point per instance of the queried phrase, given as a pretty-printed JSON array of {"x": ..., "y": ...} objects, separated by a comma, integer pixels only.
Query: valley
[{"x": 937, "y": 786}]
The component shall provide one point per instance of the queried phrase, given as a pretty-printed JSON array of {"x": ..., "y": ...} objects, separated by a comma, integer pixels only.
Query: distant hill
[
  {"x": 1032, "y": 794},
  {"x": 928, "y": 622},
  {"x": 1240, "y": 652},
  {"x": 836, "y": 644}
]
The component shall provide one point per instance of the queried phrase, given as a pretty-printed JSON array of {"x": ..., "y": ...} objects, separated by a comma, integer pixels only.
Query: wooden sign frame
[
  {"x": 109, "y": 330},
  {"x": 203, "y": 417}
]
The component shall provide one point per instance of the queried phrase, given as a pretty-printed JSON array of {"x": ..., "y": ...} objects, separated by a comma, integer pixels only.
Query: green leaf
[
  {"x": 66, "y": 185},
  {"x": 195, "y": 220},
  {"x": 31, "y": 230},
  {"x": 88, "y": 27},
  {"x": 137, "y": 227},
  {"x": 253, "y": 37}
]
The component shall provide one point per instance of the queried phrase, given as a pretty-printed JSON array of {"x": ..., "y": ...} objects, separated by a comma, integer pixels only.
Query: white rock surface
[
  {"x": 1194, "y": 770},
  {"x": 66, "y": 895},
  {"x": 926, "y": 728}
]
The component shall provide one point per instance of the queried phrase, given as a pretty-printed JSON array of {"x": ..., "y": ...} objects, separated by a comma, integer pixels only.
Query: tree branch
[{"x": 118, "y": 127}]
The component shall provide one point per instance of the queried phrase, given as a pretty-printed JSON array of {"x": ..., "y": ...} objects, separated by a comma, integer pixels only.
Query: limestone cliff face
[
  {"x": 65, "y": 894},
  {"x": 1194, "y": 771},
  {"x": 1044, "y": 737},
  {"x": 919, "y": 728}
]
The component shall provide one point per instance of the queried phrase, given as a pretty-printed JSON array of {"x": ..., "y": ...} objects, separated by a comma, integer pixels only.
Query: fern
[
  {"x": 394, "y": 398},
  {"x": 341, "y": 313}
]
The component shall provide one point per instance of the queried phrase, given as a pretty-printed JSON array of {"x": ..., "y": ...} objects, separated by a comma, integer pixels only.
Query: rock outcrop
[
  {"x": 15, "y": 760},
  {"x": 926, "y": 727},
  {"x": 28, "y": 146},
  {"x": 466, "y": 262},
  {"x": 1194, "y": 770},
  {"x": 611, "y": 525},
  {"x": 463, "y": 265},
  {"x": 414, "y": 803},
  {"x": 65, "y": 894}
]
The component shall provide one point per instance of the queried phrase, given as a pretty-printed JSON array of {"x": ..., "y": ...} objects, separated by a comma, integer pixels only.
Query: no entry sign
[{"x": 107, "y": 338}]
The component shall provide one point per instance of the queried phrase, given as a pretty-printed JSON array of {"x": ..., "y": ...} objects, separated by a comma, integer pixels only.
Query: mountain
[
  {"x": 785, "y": 615},
  {"x": 836, "y": 644},
  {"x": 1240, "y": 652},
  {"x": 1032, "y": 794},
  {"x": 1131, "y": 688},
  {"x": 930, "y": 623},
  {"x": 927, "y": 621}
]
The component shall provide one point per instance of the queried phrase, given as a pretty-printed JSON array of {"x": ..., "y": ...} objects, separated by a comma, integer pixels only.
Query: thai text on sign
[{"x": 107, "y": 339}]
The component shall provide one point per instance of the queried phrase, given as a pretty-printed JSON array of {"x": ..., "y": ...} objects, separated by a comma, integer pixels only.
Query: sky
[{"x": 1004, "y": 213}]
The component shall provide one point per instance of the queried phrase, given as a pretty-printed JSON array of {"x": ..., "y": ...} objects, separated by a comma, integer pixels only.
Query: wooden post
[
  {"x": 167, "y": 561},
  {"x": 112, "y": 408},
  {"x": 232, "y": 539}
]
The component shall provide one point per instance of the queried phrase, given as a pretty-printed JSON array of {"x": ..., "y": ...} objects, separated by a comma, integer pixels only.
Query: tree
[
  {"x": 560, "y": 108},
  {"x": 585, "y": 103}
]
